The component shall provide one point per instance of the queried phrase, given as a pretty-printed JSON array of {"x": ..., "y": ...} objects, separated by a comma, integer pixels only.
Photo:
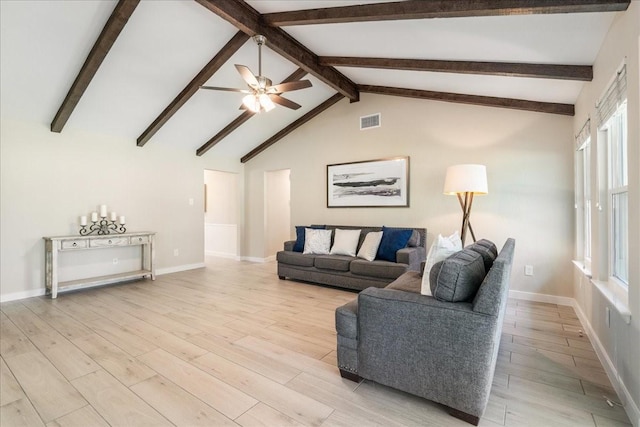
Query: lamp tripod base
[{"x": 465, "y": 204}]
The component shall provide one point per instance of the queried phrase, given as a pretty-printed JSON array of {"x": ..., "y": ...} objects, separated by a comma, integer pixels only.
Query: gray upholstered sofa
[
  {"x": 351, "y": 272},
  {"x": 443, "y": 351}
]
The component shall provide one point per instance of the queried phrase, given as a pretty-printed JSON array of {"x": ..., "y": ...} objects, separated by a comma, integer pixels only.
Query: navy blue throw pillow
[
  {"x": 393, "y": 239},
  {"x": 299, "y": 245}
]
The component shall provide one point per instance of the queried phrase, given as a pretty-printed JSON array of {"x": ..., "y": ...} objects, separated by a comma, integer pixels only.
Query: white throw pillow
[
  {"x": 369, "y": 247},
  {"x": 317, "y": 242},
  {"x": 440, "y": 250},
  {"x": 345, "y": 242}
]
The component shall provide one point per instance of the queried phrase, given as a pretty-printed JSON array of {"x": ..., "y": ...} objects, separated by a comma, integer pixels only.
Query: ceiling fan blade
[
  {"x": 284, "y": 101},
  {"x": 247, "y": 75},
  {"x": 289, "y": 86},
  {"x": 227, "y": 89}
]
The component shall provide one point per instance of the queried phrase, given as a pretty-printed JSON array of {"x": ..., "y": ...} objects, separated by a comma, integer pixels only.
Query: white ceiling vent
[{"x": 368, "y": 122}]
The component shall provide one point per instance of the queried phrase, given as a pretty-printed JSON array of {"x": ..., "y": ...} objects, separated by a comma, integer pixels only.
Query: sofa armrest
[
  {"x": 441, "y": 351},
  {"x": 411, "y": 256},
  {"x": 288, "y": 245}
]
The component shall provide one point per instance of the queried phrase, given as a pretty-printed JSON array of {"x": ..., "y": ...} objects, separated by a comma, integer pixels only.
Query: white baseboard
[
  {"x": 14, "y": 296},
  {"x": 22, "y": 295},
  {"x": 179, "y": 268},
  {"x": 256, "y": 259},
  {"x": 222, "y": 255},
  {"x": 551, "y": 299},
  {"x": 629, "y": 404},
  {"x": 633, "y": 412}
]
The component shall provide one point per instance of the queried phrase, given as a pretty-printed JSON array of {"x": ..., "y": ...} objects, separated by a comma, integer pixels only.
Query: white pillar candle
[
  {"x": 113, "y": 216},
  {"x": 83, "y": 220},
  {"x": 122, "y": 219},
  {"x": 103, "y": 211},
  {"x": 94, "y": 216}
]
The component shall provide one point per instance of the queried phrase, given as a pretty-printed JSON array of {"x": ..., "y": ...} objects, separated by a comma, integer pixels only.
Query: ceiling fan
[{"x": 262, "y": 95}]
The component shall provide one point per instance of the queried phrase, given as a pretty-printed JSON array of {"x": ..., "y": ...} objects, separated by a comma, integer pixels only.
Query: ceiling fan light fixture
[
  {"x": 266, "y": 102},
  {"x": 252, "y": 103}
]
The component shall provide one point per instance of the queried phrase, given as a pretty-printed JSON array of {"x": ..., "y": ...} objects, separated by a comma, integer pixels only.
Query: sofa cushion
[
  {"x": 333, "y": 262},
  {"x": 441, "y": 249},
  {"x": 295, "y": 258},
  {"x": 393, "y": 239},
  {"x": 458, "y": 277},
  {"x": 347, "y": 319},
  {"x": 487, "y": 250},
  {"x": 382, "y": 269},
  {"x": 317, "y": 241},
  {"x": 414, "y": 240},
  {"x": 408, "y": 282},
  {"x": 345, "y": 242},
  {"x": 298, "y": 246},
  {"x": 369, "y": 247}
]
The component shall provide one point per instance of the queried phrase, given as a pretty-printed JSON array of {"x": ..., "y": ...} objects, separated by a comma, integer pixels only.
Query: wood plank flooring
[{"x": 232, "y": 344}]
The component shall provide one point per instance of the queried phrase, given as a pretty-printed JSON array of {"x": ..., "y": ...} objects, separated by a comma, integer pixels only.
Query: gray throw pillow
[
  {"x": 487, "y": 250},
  {"x": 458, "y": 277}
]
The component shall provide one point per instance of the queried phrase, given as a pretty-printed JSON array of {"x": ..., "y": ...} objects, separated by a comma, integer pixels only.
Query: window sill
[
  {"x": 617, "y": 296},
  {"x": 580, "y": 266}
]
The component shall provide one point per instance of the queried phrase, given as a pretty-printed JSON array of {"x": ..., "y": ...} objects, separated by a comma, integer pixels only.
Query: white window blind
[
  {"x": 583, "y": 136},
  {"x": 613, "y": 97}
]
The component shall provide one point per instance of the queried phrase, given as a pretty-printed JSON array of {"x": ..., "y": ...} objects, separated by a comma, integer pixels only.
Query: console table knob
[
  {"x": 109, "y": 241},
  {"x": 75, "y": 244}
]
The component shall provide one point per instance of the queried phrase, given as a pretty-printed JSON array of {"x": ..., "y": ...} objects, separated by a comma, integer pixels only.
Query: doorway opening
[{"x": 221, "y": 200}]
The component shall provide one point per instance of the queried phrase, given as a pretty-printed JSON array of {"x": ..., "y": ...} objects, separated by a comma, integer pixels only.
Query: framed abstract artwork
[{"x": 370, "y": 183}]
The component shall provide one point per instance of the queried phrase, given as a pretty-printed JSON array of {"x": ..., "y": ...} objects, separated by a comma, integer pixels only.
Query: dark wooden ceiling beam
[
  {"x": 422, "y": 9},
  {"x": 248, "y": 20},
  {"x": 293, "y": 126},
  {"x": 513, "y": 69},
  {"x": 486, "y": 101},
  {"x": 116, "y": 22},
  {"x": 243, "y": 117},
  {"x": 201, "y": 78}
]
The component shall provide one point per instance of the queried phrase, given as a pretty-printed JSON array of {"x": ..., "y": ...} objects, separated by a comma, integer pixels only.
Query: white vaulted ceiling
[{"x": 166, "y": 43}]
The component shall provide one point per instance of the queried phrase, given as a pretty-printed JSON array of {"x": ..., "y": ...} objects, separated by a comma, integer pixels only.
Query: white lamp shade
[{"x": 466, "y": 179}]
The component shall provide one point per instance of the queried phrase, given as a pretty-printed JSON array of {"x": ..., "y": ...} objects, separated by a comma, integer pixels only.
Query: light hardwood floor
[{"x": 233, "y": 345}]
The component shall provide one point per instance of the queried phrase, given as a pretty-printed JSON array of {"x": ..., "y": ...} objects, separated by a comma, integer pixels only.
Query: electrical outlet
[
  {"x": 528, "y": 270},
  {"x": 176, "y": 252},
  {"x": 115, "y": 261},
  {"x": 190, "y": 202}
]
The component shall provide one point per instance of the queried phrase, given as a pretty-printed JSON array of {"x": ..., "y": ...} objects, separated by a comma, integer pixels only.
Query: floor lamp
[{"x": 465, "y": 181}]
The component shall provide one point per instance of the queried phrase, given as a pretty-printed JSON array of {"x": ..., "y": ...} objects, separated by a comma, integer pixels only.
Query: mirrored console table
[{"x": 55, "y": 246}]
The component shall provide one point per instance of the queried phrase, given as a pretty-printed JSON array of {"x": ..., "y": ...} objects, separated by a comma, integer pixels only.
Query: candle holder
[{"x": 102, "y": 227}]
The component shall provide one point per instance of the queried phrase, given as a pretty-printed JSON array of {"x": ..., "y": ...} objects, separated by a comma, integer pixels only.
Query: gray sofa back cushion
[
  {"x": 487, "y": 250},
  {"x": 492, "y": 292},
  {"x": 458, "y": 277}
]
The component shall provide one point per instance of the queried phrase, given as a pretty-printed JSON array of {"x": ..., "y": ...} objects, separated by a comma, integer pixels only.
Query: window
[
  {"x": 612, "y": 120},
  {"x": 617, "y": 195},
  {"x": 583, "y": 195},
  {"x": 586, "y": 203}
]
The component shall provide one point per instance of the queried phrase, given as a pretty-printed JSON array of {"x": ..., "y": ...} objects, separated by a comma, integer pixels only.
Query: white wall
[
  {"x": 620, "y": 342},
  {"x": 49, "y": 179},
  {"x": 277, "y": 220},
  {"x": 529, "y": 165},
  {"x": 222, "y": 214}
]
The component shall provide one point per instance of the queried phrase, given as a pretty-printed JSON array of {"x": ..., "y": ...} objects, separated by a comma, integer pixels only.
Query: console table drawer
[
  {"x": 109, "y": 241},
  {"x": 73, "y": 244},
  {"x": 139, "y": 240}
]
